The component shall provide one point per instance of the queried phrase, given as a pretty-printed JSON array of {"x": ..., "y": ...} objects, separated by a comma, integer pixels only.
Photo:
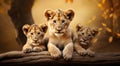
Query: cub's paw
[
  {"x": 38, "y": 49},
  {"x": 56, "y": 53},
  {"x": 90, "y": 53},
  {"x": 27, "y": 50},
  {"x": 82, "y": 52},
  {"x": 67, "y": 54}
]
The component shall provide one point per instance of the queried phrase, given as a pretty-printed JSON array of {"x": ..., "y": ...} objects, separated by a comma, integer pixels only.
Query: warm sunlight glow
[{"x": 85, "y": 10}]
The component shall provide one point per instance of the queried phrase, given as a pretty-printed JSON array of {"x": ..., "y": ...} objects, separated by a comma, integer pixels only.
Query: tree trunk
[
  {"x": 20, "y": 14},
  {"x": 43, "y": 58}
]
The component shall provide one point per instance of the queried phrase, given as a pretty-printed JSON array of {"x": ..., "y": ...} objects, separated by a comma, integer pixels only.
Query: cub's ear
[
  {"x": 49, "y": 14},
  {"x": 69, "y": 14},
  {"x": 94, "y": 31},
  {"x": 78, "y": 27},
  {"x": 44, "y": 27},
  {"x": 25, "y": 28}
]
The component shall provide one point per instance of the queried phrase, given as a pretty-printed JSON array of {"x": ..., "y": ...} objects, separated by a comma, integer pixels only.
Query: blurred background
[{"x": 101, "y": 14}]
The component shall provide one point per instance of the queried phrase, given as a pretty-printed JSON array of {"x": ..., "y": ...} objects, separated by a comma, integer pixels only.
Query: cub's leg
[
  {"x": 39, "y": 48},
  {"x": 27, "y": 48},
  {"x": 90, "y": 52},
  {"x": 54, "y": 51},
  {"x": 68, "y": 51},
  {"x": 80, "y": 50}
]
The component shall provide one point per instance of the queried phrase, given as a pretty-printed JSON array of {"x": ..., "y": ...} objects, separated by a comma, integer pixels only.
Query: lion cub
[
  {"x": 35, "y": 37},
  {"x": 84, "y": 38},
  {"x": 60, "y": 41}
]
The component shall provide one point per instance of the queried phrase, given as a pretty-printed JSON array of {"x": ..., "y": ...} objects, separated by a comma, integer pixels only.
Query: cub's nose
[{"x": 59, "y": 28}]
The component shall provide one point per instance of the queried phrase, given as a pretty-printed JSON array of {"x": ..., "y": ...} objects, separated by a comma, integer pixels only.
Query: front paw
[
  {"x": 82, "y": 52},
  {"x": 68, "y": 52},
  {"x": 27, "y": 50},
  {"x": 56, "y": 54},
  {"x": 90, "y": 53},
  {"x": 38, "y": 49}
]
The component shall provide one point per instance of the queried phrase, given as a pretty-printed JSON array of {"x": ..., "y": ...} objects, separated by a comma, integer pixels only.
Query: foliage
[{"x": 4, "y": 4}]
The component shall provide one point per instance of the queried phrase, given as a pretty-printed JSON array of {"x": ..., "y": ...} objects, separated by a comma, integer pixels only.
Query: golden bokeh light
[
  {"x": 110, "y": 39},
  {"x": 108, "y": 29}
]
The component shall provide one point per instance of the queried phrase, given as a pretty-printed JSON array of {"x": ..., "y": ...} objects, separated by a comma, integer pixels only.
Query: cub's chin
[
  {"x": 58, "y": 34},
  {"x": 35, "y": 44}
]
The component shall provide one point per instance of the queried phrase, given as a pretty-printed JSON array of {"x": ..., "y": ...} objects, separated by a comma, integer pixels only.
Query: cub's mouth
[
  {"x": 36, "y": 42},
  {"x": 59, "y": 32},
  {"x": 84, "y": 42}
]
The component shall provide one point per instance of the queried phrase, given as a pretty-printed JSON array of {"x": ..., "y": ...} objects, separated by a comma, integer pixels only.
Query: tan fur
[
  {"x": 60, "y": 36},
  {"x": 35, "y": 37},
  {"x": 84, "y": 38}
]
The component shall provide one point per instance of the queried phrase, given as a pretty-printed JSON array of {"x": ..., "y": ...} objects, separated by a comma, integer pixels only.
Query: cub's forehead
[
  {"x": 85, "y": 30},
  {"x": 88, "y": 31},
  {"x": 34, "y": 28},
  {"x": 59, "y": 14}
]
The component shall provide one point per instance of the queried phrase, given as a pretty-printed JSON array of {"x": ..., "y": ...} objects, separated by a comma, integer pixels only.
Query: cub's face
[
  {"x": 34, "y": 32},
  {"x": 85, "y": 34},
  {"x": 58, "y": 21}
]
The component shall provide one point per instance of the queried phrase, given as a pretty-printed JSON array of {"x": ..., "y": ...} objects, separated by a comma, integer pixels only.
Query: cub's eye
[
  {"x": 38, "y": 32},
  {"x": 54, "y": 21},
  {"x": 31, "y": 33},
  {"x": 82, "y": 33},
  {"x": 89, "y": 35},
  {"x": 63, "y": 21}
]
